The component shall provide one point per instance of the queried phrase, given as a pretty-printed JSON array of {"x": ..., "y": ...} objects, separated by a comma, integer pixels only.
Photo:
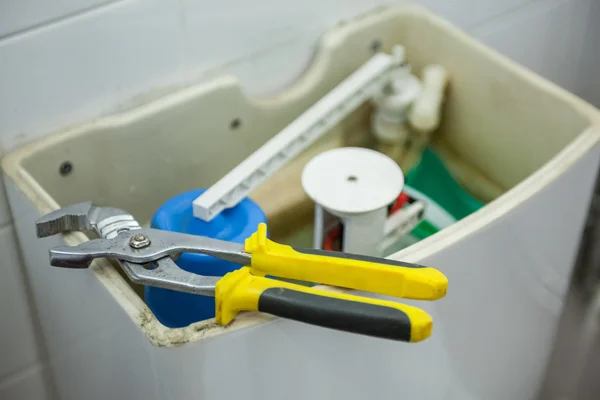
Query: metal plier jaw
[
  {"x": 247, "y": 289},
  {"x": 109, "y": 223}
]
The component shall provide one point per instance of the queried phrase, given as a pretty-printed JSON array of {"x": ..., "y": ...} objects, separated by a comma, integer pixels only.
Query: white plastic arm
[{"x": 358, "y": 88}]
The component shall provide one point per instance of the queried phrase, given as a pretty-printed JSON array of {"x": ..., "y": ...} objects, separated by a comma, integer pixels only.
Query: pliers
[{"x": 146, "y": 255}]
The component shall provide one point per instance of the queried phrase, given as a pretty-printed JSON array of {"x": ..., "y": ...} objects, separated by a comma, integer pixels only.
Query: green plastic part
[
  {"x": 424, "y": 230},
  {"x": 432, "y": 178}
]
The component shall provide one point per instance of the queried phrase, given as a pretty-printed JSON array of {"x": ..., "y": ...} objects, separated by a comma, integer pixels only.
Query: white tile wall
[
  {"x": 21, "y": 370},
  {"x": 18, "y": 347},
  {"x": 71, "y": 69},
  {"x": 469, "y": 13},
  {"x": 66, "y": 61},
  {"x": 32, "y": 384},
  {"x": 588, "y": 86},
  {"x": 19, "y": 16},
  {"x": 550, "y": 35}
]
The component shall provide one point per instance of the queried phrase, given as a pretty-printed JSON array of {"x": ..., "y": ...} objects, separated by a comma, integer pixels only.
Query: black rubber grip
[
  {"x": 328, "y": 312},
  {"x": 358, "y": 257}
]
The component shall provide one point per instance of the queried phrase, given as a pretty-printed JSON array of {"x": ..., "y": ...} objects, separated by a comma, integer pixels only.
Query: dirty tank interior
[{"x": 148, "y": 157}]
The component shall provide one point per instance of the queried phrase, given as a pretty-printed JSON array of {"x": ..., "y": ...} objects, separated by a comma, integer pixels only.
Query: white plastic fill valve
[{"x": 356, "y": 185}]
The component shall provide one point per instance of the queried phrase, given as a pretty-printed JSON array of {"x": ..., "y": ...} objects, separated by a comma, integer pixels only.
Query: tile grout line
[
  {"x": 35, "y": 28},
  {"x": 531, "y": 6},
  {"x": 7, "y": 224},
  {"x": 18, "y": 375}
]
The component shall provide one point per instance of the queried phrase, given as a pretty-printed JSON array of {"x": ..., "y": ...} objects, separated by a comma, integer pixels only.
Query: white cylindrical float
[{"x": 352, "y": 187}]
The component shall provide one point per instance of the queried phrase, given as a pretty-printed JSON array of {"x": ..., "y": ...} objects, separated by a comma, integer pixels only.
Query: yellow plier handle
[
  {"x": 247, "y": 289},
  {"x": 370, "y": 274},
  {"x": 241, "y": 291}
]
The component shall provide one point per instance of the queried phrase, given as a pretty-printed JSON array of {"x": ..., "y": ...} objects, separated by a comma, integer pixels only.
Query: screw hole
[
  {"x": 352, "y": 178},
  {"x": 65, "y": 168},
  {"x": 150, "y": 266},
  {"x": 376, "y": 45},
  {"x": 235, "y": 123}
]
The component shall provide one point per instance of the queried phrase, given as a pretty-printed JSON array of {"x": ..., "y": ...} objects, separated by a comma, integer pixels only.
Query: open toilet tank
[{"x": 512, "y": 139}]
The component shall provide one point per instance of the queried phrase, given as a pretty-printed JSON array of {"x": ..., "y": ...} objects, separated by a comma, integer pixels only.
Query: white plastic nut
[{"x": 391, "y": 109}]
